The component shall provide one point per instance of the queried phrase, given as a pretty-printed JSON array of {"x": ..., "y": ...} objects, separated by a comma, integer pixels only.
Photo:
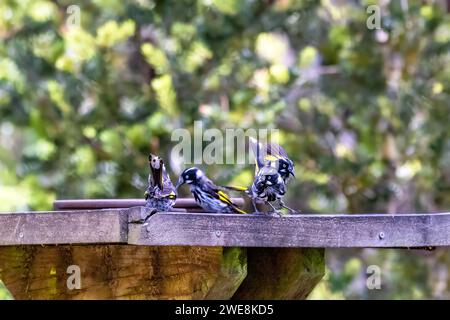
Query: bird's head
[
  {"x": 272, "y": 179},
  {"x": 156, "y": 167},
  {"x": 286, "y": 168},
  {"x": 270, "y": 173},
  {"x": 155, "y": 162},
  {"x": 189, "y": 176}
]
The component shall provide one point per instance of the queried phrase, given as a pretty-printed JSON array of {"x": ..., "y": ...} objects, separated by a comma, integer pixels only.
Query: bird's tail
[{"x": 239, "y": 210}]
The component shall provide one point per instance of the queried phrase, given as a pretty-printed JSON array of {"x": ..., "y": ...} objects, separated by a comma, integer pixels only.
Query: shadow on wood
[
  {"x": 281, "y": 273},
  {"x": 122, "y": 272}
]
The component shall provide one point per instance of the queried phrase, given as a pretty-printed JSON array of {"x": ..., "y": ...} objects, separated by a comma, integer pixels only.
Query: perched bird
[
  {"x": 274, "y": 153},
  {"x": 207, "y": 195},
  {"x": 272, "y": 172},
  {"x": 268, "y": 187},
  {"x": 160, "y": 194}
]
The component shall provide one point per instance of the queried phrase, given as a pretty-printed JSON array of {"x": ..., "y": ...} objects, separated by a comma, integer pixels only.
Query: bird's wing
[
  {"x": 257, "y": 149},
  {"x": 168, "y": 187},
  {"x": 220, "y": 195},
  {"x": 276, "y": 150},
  {"x": 165, "y": 175},
  {"x": 265, "y": 153},
  {"x": 169, "y": 192}
]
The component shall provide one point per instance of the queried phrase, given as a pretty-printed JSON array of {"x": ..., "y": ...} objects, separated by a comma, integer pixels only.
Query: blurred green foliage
[
  {"x": 364, "y": 113},
  {"x": 4, "y": 293}
]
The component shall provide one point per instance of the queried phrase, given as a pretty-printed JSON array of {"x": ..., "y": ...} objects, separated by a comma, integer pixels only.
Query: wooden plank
[
  {"x": 100, "y": 226},
  {"x": 202, "y": 229},
  {"x": 306, "y": 230},
  {"x": 80, "y": 204}
]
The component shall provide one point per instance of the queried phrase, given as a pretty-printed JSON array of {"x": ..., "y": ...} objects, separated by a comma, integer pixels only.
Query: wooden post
[
  {"x": 142, "y": 272},
  {"x": 281, "y": 273},
  {"x": 122, "y": 272}
]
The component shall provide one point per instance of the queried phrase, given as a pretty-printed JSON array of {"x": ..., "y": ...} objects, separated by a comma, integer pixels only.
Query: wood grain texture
[
  {"x": 100, "y": 226},
  {"x": 306, "y": 230},
  {"x": 233, "y": 271},
  {"x": 137, "y": 226},
  {"x": 121, "y": 272},
  {"x": 281, "y": 273}
]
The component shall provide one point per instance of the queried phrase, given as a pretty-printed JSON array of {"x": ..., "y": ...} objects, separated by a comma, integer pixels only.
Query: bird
[
  {"x": 160, "y": 194},
  {"x": 274, "y": 153},
  {"x": 207, "y": 195},
  {"x": 272, "y": 172},
  {"x": 268, "y": 187}
]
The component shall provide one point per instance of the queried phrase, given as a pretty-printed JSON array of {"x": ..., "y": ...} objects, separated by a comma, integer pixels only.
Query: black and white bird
[
  {"x": 160, "y": 194},
  {"x": 274, "y": 153},
  {"x": 272, "y": 172},
  {"x": 268, "y": 187},
  {"x": 207, "y": 195}
]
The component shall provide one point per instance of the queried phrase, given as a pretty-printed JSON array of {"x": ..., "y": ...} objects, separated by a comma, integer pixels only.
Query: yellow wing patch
[
  {"x": 172, "y": 195},
  {"x": 224, "y": 197},
  {"x": 238, "y": 188},
  {"x": 270, "y": 157}
]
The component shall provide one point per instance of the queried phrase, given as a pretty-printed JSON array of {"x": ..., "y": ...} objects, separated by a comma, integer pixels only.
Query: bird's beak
[{"x": 292, "y": 172}]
